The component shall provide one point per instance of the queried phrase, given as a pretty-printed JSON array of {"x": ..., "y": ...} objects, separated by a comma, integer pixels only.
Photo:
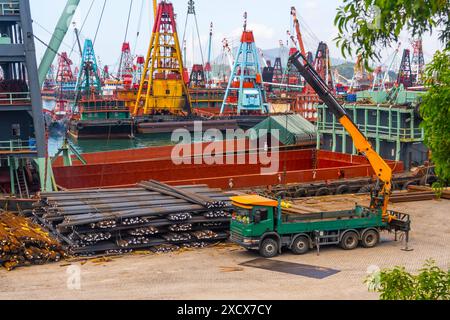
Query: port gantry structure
[
  {"x": 245, "y": 90},
  {"x": 88, "y": 80},
  {"x": 126, "y": 66},
  {"x": 405, "y": 75},
  {"x": 23, "y": 146},
  {"x": 162, "y": 87}
]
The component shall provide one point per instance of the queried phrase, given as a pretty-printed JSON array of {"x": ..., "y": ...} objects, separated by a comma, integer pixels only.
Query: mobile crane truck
[{"x": 260, "y": 223}]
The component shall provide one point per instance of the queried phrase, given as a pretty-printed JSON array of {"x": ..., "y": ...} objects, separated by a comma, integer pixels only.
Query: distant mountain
[
  {"x": 272, "y": 54},
  {"x": 345, "y": 69}
]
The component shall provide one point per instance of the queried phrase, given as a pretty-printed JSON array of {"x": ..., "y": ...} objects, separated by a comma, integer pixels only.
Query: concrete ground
[{"x": 214, "y": 273}]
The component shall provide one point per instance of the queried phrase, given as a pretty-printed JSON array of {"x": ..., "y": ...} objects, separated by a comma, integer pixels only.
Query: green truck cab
[{"x": 260, "y": 224}]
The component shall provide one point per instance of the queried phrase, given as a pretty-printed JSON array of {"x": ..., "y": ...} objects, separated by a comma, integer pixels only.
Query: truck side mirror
[{"x": 258, "y": 216}]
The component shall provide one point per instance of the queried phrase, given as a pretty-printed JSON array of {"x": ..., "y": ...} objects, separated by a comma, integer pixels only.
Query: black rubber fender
[
  {"x": 366, "y": 189},
  {"x": 281, "y": 194},
  {"x": 301, "y": 192},
  {"x": 324, "y": 191},
  {"x": 428, "y": 180},
  {"x": 409, "y": 183},
  {"x": 343, "y": 189}
]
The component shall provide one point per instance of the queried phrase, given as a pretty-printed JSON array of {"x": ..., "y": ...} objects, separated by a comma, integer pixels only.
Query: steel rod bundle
[
  {"x": 24, "y": 243},
  {"x": 411, "y": 196},
  {"x": 151, "y": 215}
]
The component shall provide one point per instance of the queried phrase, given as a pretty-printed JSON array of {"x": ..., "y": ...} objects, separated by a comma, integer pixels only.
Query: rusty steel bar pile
[
  {"x": 24, "y": 243},
  {"x": 152, "y": 215}
]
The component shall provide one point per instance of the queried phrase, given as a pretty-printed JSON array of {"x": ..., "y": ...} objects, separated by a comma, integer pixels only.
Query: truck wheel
[
  {"x": 349, "y": 241},
  {"x": 269, "y": 248},
  {"x": 300, "y": 245},
  {"x": 370, "y": 239}
]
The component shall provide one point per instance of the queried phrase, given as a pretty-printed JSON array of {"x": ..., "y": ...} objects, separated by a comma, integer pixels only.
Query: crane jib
[{"x": 315, "y": 81}]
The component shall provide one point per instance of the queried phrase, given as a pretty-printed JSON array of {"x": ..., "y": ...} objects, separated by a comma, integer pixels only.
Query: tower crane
[{"x": 228, "y": 53}]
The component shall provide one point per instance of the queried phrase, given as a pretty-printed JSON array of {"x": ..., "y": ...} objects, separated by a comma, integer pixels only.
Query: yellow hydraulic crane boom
[
  {"x": 363, "y": 146},
  {"x": 155, "y": 8}
]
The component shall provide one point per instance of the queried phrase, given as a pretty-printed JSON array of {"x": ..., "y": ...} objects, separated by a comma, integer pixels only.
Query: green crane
[{"x": 57, "y": 38}]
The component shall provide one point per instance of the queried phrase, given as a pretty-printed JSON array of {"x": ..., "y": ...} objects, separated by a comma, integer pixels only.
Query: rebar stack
[
  {"x": 152, "y": 215},
  {"x": 24, "y": 243}
]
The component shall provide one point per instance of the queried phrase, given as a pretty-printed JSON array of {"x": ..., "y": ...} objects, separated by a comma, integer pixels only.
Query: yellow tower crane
[{"x": 163, "y": 88}]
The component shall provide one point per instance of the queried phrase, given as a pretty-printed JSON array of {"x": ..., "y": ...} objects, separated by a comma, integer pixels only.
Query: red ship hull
[{"x": 125, "y": 168}]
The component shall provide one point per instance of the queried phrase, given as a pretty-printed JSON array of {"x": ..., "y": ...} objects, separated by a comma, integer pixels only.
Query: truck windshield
[{"x": 242, "y": 215}]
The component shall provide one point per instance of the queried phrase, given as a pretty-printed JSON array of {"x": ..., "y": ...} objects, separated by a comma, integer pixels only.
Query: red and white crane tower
[
  {"x": 64, "y": 73},
  {"x": 126, "y": 68},
  {"x": 417, "y": 62}
]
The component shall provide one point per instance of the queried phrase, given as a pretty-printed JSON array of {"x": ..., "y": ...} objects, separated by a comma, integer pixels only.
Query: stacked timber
[
  {"x": 24, "y": 243},
  {"x": 152, "y": 215}
]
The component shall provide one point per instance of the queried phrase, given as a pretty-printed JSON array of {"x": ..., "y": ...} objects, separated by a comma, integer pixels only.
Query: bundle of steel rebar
[
  {"x": 151, "y": 215},
  {"x": 411, "y": 196},
  {"x": 24, "y": 243}
]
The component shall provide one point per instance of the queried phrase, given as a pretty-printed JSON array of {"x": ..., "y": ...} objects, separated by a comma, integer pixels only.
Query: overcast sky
[{"x": 268, "y": 19}]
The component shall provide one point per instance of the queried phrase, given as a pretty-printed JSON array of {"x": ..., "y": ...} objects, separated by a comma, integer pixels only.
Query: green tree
[
  {"x": 435, "y": 110},
  {"x": 432, "y": 283},
  {"x": 369, "y": 25}
]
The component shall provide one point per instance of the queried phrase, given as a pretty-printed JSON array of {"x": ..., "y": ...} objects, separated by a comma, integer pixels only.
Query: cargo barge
[
  {"x": 101, "y": 118},
  {"x": 119, "y": 168}
]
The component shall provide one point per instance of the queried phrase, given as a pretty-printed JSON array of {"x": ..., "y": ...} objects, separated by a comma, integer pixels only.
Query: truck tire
[
  {"x": 269, "y": 248},
  {"x": 370, "y": 238},
  {"x": 300, "y": 245},
  {"x": 349, "y": 241}
]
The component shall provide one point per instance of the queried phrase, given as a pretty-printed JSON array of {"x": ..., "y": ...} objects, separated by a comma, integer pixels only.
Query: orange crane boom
[{"x": 297, "y": 31}]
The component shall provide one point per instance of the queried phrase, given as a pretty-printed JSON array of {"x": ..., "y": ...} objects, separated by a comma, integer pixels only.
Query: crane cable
[
  {"x": 194, "y": 13},
  {"x": 50, "y": 33},
  {"x": 82, "y": 26},
  {"x": 139, "y": 27},
  {"x": 119, "y": 71},
  {"x": 99, "y": 22}
]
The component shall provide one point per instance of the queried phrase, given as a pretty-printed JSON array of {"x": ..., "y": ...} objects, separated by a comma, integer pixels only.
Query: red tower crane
[
  {"x": 405, "y": 75},
  {"x": 64, "y": 73},
  {"x": 126, "y": 67},
  {"x": 418, "y": 62}
]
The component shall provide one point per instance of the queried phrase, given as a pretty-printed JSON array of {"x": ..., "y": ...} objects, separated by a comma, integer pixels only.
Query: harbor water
[{"x": 56, "y": 139}]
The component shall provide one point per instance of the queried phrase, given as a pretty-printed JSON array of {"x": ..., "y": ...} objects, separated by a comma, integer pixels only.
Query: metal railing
[
  {"x": 9, "y": 8},
  {"x": 402, "y": 133},
  {"x": 18, "y": 145},
  {"x": 14, "y": 98}
]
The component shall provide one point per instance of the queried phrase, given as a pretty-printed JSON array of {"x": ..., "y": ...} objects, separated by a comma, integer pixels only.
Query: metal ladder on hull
[{"x": 22, "y": 184}]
